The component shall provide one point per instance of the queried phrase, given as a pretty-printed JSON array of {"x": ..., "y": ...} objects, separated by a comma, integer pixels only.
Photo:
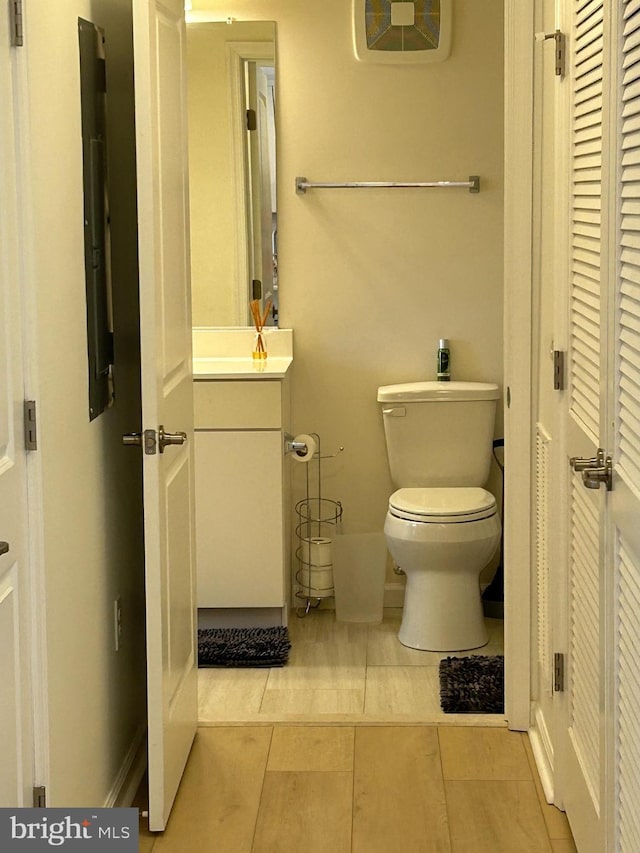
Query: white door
[
  {"x": 623, "y": 522},
  {"x": 586, "y": 420},
  {"x": 167, "y": 395},
  {"x": 548, "y": 334},
  {"x": 603, "y": 780},
  {"x": 16, "y": 766}
]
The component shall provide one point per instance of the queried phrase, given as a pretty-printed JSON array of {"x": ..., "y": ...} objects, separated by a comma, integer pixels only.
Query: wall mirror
[{"x": 232, "y": 170}]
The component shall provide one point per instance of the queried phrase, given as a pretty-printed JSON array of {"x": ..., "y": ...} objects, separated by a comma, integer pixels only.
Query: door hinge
[
  {"x": 558, "y": 672},
  {"x": 560, "y": 41},
  {"x": 30, "y": 425},
  {"x": 252, "y": 120},
  {"x": 17, "y": 23},
  {"x": 559, "y": 369},
  {"x": 39, "y": 797}
]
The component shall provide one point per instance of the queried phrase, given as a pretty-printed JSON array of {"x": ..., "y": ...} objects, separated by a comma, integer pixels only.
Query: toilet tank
[{"x": 439, "y": 433}]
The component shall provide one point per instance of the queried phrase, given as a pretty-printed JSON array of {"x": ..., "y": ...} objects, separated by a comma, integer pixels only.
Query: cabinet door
[{"x": 239, "y": 519}]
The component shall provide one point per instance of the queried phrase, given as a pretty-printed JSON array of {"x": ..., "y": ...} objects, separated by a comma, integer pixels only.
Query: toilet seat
[{"x": 442, "y": 505}]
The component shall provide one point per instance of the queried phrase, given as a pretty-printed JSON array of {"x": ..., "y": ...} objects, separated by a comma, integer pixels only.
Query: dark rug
[
  {"x": 472, "y": 685},
  {"x": 243, "y": 646}
]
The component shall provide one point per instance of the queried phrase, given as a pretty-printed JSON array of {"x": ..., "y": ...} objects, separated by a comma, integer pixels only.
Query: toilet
[{"x": 442, "y": 527}]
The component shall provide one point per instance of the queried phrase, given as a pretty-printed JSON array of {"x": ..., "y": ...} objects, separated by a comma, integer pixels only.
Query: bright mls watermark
[{"x": 26, "y": 830}]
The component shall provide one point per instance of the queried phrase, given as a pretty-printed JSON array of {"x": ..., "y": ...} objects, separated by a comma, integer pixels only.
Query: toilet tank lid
[{"x": 415, "y": 392}]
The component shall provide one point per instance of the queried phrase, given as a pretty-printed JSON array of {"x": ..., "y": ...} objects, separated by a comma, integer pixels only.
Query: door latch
[
  {"x": 596, "y": 470},
  {"x": 146, "y": 439}
]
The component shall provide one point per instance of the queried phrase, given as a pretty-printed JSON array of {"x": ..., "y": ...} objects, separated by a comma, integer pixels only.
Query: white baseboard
[
  {"x": 130, "y": 773},
  {"x": 241, "y": 617},
  {"x": 543, "y": 753}
]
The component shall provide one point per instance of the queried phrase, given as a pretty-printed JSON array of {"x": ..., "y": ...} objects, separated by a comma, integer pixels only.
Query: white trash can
[{"x": 359, "y": 563}]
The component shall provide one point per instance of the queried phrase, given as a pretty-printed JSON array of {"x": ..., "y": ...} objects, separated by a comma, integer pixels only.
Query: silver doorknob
[
  {"x": 167, "y": 438},
  {"x": 4, "y": 548},
  {"x": 593, "y": 477},
  {"x": 581, "y": 463},
  {"x": 595, "y": 471}
]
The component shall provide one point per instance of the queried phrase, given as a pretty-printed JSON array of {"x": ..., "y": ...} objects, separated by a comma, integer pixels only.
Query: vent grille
[{"x": 542, "y": 558}]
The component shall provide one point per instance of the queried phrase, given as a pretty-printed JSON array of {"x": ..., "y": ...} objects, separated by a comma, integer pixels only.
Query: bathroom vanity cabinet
[{"x": 241, "y": 492}]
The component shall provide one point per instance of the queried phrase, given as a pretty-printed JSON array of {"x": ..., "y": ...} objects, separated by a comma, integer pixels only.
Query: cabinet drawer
[{"x": 237, "y": 405}]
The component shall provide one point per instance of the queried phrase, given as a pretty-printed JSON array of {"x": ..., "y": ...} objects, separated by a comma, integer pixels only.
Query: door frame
[
  {"x": 34, "y": 569},
  {"x": 518, "y": 349},
  {"x": 236, "y": 54}
]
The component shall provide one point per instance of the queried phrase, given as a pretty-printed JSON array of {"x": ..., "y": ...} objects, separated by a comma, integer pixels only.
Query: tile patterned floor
[
  {"x": 339, "y": 673},
  {"x": 360, "y": 789}
]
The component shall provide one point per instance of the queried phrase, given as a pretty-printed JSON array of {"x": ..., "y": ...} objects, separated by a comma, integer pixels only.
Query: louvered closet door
[
  {"x": 624, "y": 516},
  {"x": 584, "y": 794}
]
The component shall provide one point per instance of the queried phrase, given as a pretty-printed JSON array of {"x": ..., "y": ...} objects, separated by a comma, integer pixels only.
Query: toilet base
[
  {"x": 442, "y": 563},
  {"x": 442, "y": 613}
]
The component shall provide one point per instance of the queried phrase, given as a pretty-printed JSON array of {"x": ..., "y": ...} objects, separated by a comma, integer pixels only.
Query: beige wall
[
  {"x": 91, "y": 483},
  {"x": 371, "y": 279}
]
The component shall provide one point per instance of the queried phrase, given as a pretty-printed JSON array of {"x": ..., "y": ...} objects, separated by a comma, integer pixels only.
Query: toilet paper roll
[
  {"x": 317, "y": 551},
  {"x": 316, "y": 582},
  {"x": 302, "y": 455}
]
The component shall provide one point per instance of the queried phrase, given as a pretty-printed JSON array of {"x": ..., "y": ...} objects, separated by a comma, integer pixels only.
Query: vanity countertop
[
  {"x": 273, "y": 367},
  {"x": 226, "y": 354}
]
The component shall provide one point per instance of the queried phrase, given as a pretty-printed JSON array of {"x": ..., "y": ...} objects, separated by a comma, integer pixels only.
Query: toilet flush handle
[{"x": 396, "y": 412}]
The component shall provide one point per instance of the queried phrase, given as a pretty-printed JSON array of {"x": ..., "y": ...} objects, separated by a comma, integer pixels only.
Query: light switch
[{"x": 402, "y": 14}]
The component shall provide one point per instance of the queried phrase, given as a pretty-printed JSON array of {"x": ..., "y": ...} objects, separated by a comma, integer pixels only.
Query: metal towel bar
[{"x": 302, "y": 184}]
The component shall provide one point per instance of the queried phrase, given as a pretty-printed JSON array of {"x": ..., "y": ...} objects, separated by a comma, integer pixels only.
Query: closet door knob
[
  {"x": 167, "y": 438},
  {"x": 582, "y": 463}
]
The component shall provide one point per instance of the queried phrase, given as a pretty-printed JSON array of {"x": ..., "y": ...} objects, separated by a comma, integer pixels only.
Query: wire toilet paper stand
[{"x": 318, "y": 518}]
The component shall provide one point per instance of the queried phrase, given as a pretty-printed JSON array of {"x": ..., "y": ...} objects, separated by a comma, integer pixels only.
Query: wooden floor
[
  {"x": 340, "y": 673},
  {"x": 360, "y": 789},
  {"x": 346, "y": 750}
]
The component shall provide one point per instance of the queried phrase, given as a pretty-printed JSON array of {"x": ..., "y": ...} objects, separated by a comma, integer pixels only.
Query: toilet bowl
[
  {"x": 442, "y": 538},
  {"x": 442, "y": 526}
]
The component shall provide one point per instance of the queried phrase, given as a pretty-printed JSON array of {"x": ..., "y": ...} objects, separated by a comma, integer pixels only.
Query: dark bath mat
[
  {"x": 243, "y": 646},
  {"x": 472, "y": 685}
]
